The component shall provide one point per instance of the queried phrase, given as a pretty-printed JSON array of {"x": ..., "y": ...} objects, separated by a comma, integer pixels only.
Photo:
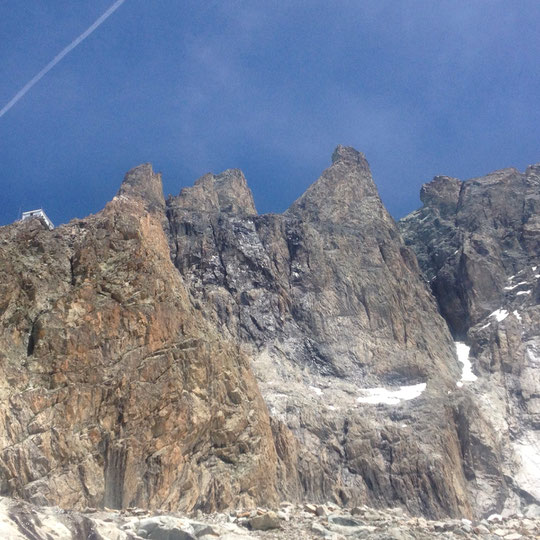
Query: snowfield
[
  {"x": 375, "y": 396},
  {"x": 467, "y": 374},
  {"x": 499, "y": 314}
]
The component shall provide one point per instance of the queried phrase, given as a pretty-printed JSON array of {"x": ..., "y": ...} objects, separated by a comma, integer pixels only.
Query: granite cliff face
[
  {"x": 478, "y": 243},
  {"x": 328, "y": 302},
  {"x": 312, "y": 276},
  {"x": 115, "y": 390},
  {"x": 191, "y": 353},
  {"x": 470, "y": 237}
]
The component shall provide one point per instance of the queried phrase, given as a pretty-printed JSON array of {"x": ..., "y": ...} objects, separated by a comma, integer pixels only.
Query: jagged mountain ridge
[
  {"x": 111, "y": 394},
  {"x": 302, "y": 292},
  {"x": 471, "y": 236},
  {"x": 322, "y": 304}
]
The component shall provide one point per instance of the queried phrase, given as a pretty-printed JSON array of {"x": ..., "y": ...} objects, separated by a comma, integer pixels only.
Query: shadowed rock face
[
  {"x": 115, "y": 391},
  {"x": 478, "y": 242},
  {"x": 314, "y": 276},
  {"x": 470, "y": 237}
]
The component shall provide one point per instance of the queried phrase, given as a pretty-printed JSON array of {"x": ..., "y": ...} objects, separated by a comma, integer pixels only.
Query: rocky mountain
[
  {"x": 478, "y": 245},
  {"x": 328, "y": 302},
  {"x": 188, "y": 353},
  {"x": 470, "y": 237},
  {"x": 115, "y": 390}
]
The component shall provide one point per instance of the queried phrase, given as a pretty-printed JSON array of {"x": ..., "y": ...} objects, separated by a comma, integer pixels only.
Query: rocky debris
[
  {"x": 20, "y": 520},
  {"x": 165, "y": 528},
  {"x": 264, "y": 522}
]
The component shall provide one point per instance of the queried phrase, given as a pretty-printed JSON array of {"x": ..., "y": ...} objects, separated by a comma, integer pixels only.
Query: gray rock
[
  {"x": 478, "y": 243},
  {"x": 165, "y": 528},
  {"x": 532, "y": 511},
  {"x": 320, "y": 529},
  {"x": 395, "y": 533},
  {"x": 344, "y": 521},
  {"x": 313, "y": 311},
  {"x": 232, "y": 536},
  {"x": 471, "y": 236},
  {"x": 202, "y": 529},
  {"x": 311, "y": 508},
  {"x": 265, "y": 522},
  {"x": 19, "y": 520}
]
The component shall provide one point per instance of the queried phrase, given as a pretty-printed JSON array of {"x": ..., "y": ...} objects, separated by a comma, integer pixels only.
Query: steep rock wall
[
  {"x": 115, "y": 391},
  {"x": 478, "y": 242},
  {"x": 330, "y": 304},
  {"x": 470, "y": 237},
  {"x": 128, "y": 379}
]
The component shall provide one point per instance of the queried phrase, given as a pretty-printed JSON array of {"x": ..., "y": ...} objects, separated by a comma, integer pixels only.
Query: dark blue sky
[{"x": 422, "y": 87}]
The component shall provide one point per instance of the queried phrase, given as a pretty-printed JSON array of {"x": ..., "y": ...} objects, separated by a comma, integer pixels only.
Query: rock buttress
[
  {"x": 329, "y": 302},
  {"x": 478, "y": 242},
  {"x": 115, "y": 391}
]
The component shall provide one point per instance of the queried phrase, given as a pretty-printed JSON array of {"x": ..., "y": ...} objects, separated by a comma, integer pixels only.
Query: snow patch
[
  {"x": 523, "y": 292},
  {"x": 485, "y": 326},
  {"x": 467, "y": 374},
  {"x": 534, "y": 268},
  {"x": 391, "y": 397},
  {"x": 318, "y": 391},
  {"x": 516, "y": 285},
  {"x": 500, "y": 314},
  {"x": 517, "y": 315}
]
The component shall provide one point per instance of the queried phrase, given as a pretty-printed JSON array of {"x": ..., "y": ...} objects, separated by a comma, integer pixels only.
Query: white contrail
[{"x": 61, "y": 55}]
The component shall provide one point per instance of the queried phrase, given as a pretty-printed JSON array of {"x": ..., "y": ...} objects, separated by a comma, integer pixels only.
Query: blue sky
[{"x": 421, "y": 87}]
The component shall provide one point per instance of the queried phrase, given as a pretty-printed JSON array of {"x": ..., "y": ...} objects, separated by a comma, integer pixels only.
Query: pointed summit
[
  {"x": 143, "y": 183},
  {"x": 341, "y": 192},
  {"x": 226, "y": 192},
  {"x": 443, "y": 193},
  {"x": 348, "y": 154}
]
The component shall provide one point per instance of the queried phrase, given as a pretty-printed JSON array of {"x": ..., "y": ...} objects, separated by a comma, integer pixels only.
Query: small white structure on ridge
[{"x": 40, "y": 214}]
